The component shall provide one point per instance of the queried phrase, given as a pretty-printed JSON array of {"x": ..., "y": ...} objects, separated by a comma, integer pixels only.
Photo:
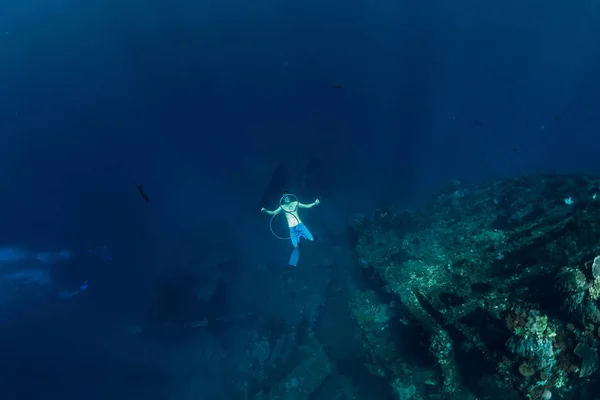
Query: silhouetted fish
[{"x": 144, "y": 195}]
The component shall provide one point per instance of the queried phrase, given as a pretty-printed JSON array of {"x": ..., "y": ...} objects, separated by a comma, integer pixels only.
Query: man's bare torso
[{"x": 291, "y": 213}]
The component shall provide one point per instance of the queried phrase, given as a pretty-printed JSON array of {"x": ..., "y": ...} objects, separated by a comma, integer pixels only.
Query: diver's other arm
[
  {"x": 275, "y": 212},
  {"x": 311, "y": 205}
]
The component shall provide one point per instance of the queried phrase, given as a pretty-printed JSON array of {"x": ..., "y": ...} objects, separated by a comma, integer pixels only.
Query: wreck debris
[{"x": 484, "y": 269}]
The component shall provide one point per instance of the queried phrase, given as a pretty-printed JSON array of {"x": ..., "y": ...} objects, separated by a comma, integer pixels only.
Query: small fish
[
  {"x": 144, "y": 195},
  {"x": 478, "y": 123},
  {"x": 83, "y": 286},
  {"x": 336, "y": 86}
]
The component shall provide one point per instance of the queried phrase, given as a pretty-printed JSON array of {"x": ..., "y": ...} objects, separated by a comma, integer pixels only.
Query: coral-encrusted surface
[{"x": 498, "y": 277}]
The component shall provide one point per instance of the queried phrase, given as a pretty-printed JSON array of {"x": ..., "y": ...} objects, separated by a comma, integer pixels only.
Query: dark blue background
[{"x": 200, "y": 101}]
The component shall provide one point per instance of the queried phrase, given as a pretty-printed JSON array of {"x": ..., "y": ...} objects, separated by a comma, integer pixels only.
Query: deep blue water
[{"x": 363, "y": 103}]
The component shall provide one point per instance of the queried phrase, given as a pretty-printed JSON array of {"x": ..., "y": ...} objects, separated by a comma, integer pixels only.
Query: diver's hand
[{"x": 317, "y": 201}]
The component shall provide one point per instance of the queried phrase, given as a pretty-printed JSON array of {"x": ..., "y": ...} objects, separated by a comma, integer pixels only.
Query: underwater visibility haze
[{"x": 299, "y": 200}]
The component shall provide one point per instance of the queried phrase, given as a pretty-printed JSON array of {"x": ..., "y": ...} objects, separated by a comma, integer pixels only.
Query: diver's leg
[
  {"x": 300, "y": 231},
  {"x": 305, "y": 233},
  {"x": 295, "y": 234}
]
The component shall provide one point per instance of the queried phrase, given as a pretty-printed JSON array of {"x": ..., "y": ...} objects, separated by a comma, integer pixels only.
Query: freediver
[{"x": 289, "y": 204}]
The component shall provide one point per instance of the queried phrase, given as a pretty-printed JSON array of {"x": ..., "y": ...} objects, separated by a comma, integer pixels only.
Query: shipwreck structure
[{"x": 495, "y": 285}]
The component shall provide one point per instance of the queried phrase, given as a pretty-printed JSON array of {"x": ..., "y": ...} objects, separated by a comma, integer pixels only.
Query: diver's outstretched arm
[
  {"x": 275, "y": 212},
  {"x": 311, "y": 205}
]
